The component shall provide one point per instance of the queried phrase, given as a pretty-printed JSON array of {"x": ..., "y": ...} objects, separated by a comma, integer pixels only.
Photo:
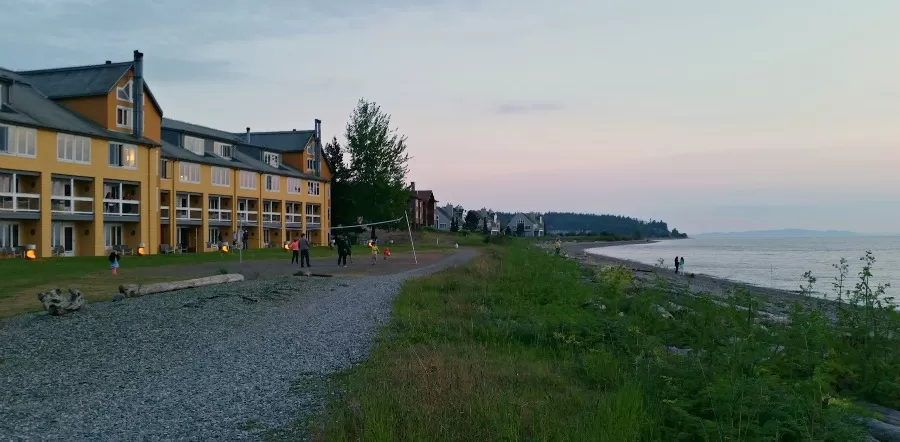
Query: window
[
  {"x": 189, "y": 173},
  {"x": 214, "y": 202},
  {"x": 123, "y": 117},
  {"x": 123, "y": 93},
  {"x": 9, "y": 234},
  {"x": 294, "y": 185},
  {"x": 267, "y": 235},
  {"x": 164, "y": 168},
  {"x": 112, "y": 235},
  {"x": 312, "y": 187},
  {"x": 249, "y": 180},
  {"x": 213, "y": 235},
  {"x": 311, "y": 147},
  {"x": 313, "y": 214},
  {"x": 73, "y": 149},
  {"x": 310, "y": 164},
  {"x": 221, "y": 176},
  {"x": 20, "y": 141},
  {"x": 273, "y": 183},
  {"x": 272, "y": 159},
  {"x": 122, "y": 155},
  {"x": 223, "y": 150},
  {"x": 194, "y": 145}
]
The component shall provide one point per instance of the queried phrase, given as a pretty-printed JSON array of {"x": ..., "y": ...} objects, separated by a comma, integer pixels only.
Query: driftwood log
[
  {"x": 56, "y": 303},
  {"x": 131, "y": 290}
]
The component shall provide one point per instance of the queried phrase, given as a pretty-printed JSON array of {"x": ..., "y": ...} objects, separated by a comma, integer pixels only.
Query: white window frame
[
  {"x": 128, "y": 89},
  {"x": 127, "y": 113},
  {"x": 194, "y": 145},
  {"x": 10, "y": 234},
  {"x": 293, "y": 212},
  {"x": 294, "y": 185},
  {"x": 311, "y": 164},
  {"x": 18, "y": 141},
  {"x": 220, "y": 176},
  {"x": 223, "y": 150},
  {"x": 249, "y": 180},
  {"x": 164, "y": 168},
  {"x": 213, "y": 235},
  {"x": 313, "y": 188},
  {"x": 273, "y": 183},
  {"x": 72, "y": 144},
  {"x": 271, "y": 158},
  {"x": 311, "y": 216},
  {"x": 121, "y": 155},
  {"x": 13, "y": 196},
  {"x": 188, "y": 172},
  {"x": 58, "y": 193},
  {"x": 311, "y": 147},
  {"x": 111, "y": 232}
]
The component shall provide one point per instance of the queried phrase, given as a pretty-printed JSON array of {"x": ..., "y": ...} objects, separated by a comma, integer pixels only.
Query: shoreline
[{"x": 779, "y": 300}]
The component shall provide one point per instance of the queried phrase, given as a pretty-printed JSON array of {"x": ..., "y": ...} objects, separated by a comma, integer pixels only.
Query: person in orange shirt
[
  {"x": 387, "y": 253},
  {"x": 295, "y": 251}
]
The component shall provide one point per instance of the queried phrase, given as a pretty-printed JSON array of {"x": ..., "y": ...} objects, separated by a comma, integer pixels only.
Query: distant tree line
[{"x": 593, "y": 224}]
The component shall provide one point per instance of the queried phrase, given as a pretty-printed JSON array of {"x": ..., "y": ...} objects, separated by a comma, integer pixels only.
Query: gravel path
[{"x": 180, "y": 367}]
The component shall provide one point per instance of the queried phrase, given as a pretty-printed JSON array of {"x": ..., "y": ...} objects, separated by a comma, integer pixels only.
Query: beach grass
[{"x": 523, "y": 345}]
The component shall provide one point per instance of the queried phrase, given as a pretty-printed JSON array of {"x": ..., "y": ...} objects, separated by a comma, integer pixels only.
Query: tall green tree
[
  {"x": 484, "y": 227},
  {"x": 342, "y": 211},
  {"x": 470, "y": 223},
  {"x": 378, "y": 164}
]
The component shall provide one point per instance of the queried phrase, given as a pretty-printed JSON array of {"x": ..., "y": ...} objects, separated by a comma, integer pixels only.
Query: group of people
[
  {"x": 300, "y": 251},
  {"x": 345, "y": 250},
  {"x": 679, "y": 265}
]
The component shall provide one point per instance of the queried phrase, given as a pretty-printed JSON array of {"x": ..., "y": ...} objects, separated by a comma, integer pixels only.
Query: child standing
[
  {"x": 114, "y": 262},
  {"x": 374, "y": 252},
  {"x": 295, "y": 251},
  {"x": 387, "y": 253}
]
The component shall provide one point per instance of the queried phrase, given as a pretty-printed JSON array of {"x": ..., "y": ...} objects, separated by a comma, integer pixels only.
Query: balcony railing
[
  {"x": 164, "y": 212},
  {"x": 271, "y": 217},
  {"x": 189, "y": 213},
  {"x": 293, "y": 218},
  {"x": 219, "y": 214},
  {"x": 313, "y": 221},
  {"x": 247, "y": 215},
  {"x": 119, "y": 207},
  {"x": 76, "y": 205},
  {"x": 20, "y": 202}
]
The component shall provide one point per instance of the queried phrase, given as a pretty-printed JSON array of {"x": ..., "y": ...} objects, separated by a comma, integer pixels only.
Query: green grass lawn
[{"x": 521, "y": 345}]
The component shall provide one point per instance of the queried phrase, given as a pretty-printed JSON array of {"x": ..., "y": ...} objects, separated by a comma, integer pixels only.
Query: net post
[{"x": 409, "y": 228}]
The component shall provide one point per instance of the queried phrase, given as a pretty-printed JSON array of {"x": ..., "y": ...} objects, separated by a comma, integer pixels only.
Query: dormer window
[
  {"x": 272, "y": 159},
  {"x": 4, "y": 94},
  {"x": 194, "y": 144},
  {"x": 123, "y": 93},
  {"x": 223, "y": 150}
]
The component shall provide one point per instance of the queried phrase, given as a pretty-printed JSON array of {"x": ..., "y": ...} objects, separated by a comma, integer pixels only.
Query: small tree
[
  {"x": 454, "y": 225},
  {"x": 508, "y": 231},
  {"x": 471, "y": 221},
  {"x": 484, "y": 227}
]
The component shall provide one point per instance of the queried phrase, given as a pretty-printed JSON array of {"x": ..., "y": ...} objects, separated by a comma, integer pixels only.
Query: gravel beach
[
  {"x": 215, "y": 363},
  {"x": 779, "y": 301}
]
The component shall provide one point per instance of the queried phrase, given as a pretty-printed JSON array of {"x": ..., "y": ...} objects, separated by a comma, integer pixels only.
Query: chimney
[
  {"x": 318, "y": 127},
  {"x": 137, "y": 93},
  {"x": 412, "y": 186},
  {"x": 248, "y": 136},
  {"x": 108, "y": 62}
]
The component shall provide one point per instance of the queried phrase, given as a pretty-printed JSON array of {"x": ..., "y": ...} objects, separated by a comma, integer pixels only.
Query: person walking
[
  {"x": 246, "y": 240},
  {"x": 341, "y": 244},
  {"x": 114, "y": 262},
  {"x": 295, "y": 251},
  {"x": 676, "y": 265},
  {"x": 304, "y": 250},
  {"x": 682, "y": 265},
  {"x": 558, "y": 246}
]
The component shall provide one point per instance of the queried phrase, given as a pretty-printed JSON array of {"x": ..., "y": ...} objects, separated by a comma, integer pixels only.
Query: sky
[{"x": 710, "y": 115}]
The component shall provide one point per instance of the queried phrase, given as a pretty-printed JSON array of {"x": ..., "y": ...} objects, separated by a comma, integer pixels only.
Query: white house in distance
[{"x": 532, "y": 224}]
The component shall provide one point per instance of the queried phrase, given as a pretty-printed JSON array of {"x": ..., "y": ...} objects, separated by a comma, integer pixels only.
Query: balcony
[
  {"x": 20, "y": 202},
  {"x": 183, "y": 213},
  {"x": 72, "y": 205},
  {"x": 121, "y": 207},
  {"x": 272, "y": 217},
  {"x": 219, "y": 215},
  {"x": 250, "y": 216},
  {"x": 293, "y": 218},
  {"x": 14, "y": 203}
]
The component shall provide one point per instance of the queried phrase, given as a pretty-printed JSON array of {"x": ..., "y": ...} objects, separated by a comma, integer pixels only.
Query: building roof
[
  {"x": 424, "y": 195},
  {"x": 443, "y": 211},
  {"x": 29, "y": 106},
  {"x": 239, "y": 160},
  {"x": 281, "y": 141},
  {"x": 82, "y": 81}
]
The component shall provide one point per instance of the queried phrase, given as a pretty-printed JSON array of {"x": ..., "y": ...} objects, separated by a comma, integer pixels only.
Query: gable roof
[
  {"x": 442, "y": 211},
  {"x": 287, "y": 141},
  {"x": 424, "y": 195},
  {"x": 282, "y": 141},
  {"x": 30, "y": 107},
  {"x": 239, "y": 160},
  {"x": 82, "y": 81}
]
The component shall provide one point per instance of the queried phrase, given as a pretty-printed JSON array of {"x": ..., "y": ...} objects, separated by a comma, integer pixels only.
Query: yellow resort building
[{"x": 89, "y": 164}]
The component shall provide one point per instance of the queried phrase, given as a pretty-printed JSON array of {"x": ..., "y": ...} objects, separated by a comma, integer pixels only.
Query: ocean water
[{"x": 773, "y": 262}]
